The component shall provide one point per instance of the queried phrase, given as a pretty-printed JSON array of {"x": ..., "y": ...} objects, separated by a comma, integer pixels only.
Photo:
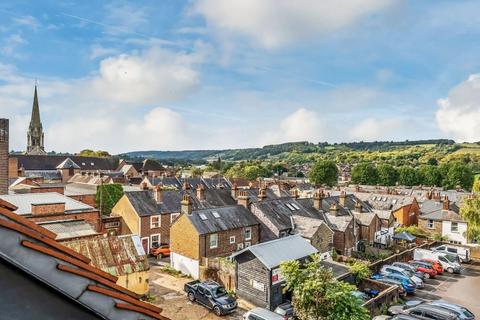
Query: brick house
[
  {"x": 51, "y": 206},
  {"x": 149, "y": 213},
  {"x": 209, "y": 233},
  {"x": 315, "y": 231}
]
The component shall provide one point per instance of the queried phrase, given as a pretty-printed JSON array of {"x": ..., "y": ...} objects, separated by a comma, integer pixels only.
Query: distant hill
[{"x": 283, "y": 150}]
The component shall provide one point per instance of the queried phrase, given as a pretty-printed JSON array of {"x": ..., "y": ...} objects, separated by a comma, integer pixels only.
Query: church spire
[
  {"x": 35, "y": 120},
  {"x": 35, "y": 129}
]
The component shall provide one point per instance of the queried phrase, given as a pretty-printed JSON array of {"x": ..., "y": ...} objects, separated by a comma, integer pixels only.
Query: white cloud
[
  {"x": 379, "y": 129},
  {"x": 98, "y": 51},
  {"x": 273, "y": 23},
  {"x": 28, "y": 21},
  {"x": 11, "y": 43},
  {"x": 458, "y": 115},
  {"x": 154, "y": 76}
]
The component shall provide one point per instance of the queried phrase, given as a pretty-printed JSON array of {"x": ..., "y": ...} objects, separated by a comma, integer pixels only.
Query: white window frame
[
  {"x": 451, "y": 227},
  {"x": 151, "y": 239},
  {"x": 210, "y": 240},
  {"x": 173, "y": 216},
  {"x": 159, "y": 221},
  {"x": 232, "y": 238},
  {"x": 250, "y": 233}
]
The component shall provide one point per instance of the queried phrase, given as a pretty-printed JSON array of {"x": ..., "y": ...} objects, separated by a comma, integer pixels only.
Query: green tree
[
  {"x": 407, "y": 176},
  {"x": 107, "y": 197},
  {"x": 196, "y": 171},
  {"x": 324, "y": 172},
  {"x": 458, "y": 174},
  {"x": 430, "y": 175},
  {"x": 318, "y": 295},
  {"x": 387, "y": 174},
  {"x": 470, "y": 212},
  {"x": 364, "y": 173},
  {"x": 360, "y": 271}
]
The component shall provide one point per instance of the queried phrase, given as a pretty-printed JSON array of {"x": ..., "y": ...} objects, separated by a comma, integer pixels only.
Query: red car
[
  {"x": 435, "y": 264},
  {"x": 425, "y": 267}
]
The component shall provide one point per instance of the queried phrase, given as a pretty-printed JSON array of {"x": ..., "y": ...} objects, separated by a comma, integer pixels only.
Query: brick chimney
[
  {"x": 186, "y": 205},
  {"x": 143, "y": 186},
  {"x": 157, "y": 193},
  {"x": 47, "y": 208},
  {"x": 357, "y": 188},
  {"x": 185, "y": 185},
  {"x": 446, "y": 203},
  {"x": 358, "y": 207},
  {"x": 334, "y": 209},
  {"x": 242, "y": 199},
  {"x": 342, "y": 198},
  {"x": 262, "y": 193},
  {"x": 428, "y": 195},
  {"x": 317, "y": 199},
  {"x": 201, "y": 192},
  {"x": 294, "y": 193},
  {"x": 234, "y": 190}
]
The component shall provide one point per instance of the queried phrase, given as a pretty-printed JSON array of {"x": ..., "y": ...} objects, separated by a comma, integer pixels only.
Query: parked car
[
  {"x": 261, "y": 314},
  {"x": 449, "y": 262},
  {"x": 424, "y": 267},
  {"x": 285, "y": 310},
  {"x": 389, "y": 269},
  {"x": 407, "y": 284},
  {"x": 462, "y": 312},
  {"x": 406, "y": 266},
  {"x": 398, "y": 308},
  {"x": 161, "y": 251},
  {"x": 428, "y": 312},
  {"x": 211, "y": 295},
  {"x": 461, "y": 252},
  {"x": 401, "y": 290},
  {"x": 437, "y": 266}
]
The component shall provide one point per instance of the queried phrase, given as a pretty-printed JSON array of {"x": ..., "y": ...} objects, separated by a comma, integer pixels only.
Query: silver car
[{"x": 388, "y": 269}]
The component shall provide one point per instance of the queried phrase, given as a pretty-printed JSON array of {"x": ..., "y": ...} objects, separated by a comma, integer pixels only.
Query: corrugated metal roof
[
  {"x": 24, "y": 201},
  {"x": 115, "y": 255},
  {"x": 273, "y": 253}
]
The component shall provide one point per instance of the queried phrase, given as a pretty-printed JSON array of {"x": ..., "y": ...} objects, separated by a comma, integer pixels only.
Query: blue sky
[{"x": 172, "y": 75}]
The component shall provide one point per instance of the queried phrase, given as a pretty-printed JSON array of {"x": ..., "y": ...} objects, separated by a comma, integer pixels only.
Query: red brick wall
[
  {"x": 13, "y": 167},
  {"x": 224, "y": 247},
  {"x": 163, "y": 230},
  {"x": 3, "y": 156},
  {"x": 49, "y": 208},
  {"x": 86, "y": 198},
  {"x": 60, "y": 190}
]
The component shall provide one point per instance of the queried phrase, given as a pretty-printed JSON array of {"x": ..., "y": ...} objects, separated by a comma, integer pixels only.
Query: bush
[{"x": 360, "y": 271}]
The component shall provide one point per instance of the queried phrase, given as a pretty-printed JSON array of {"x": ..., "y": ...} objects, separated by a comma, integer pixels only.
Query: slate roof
[
  {"x": 272, "y": 253},
  {"x": 306, "y": 226},
  {"x": 118, "y": 256},
  {"x": 220, "y": 219},
  {"x": 337, "y": 222},
  {"x": 151, "y": 165},
  {"x": 24, "y": 202},
  {"x": 171, "y": 182},
  {"x": 429, "y": 206},
  {"x": 442, "y": 215},
  {"x": 50, "y": 162},
  {"x": 364, "y": 218},
  {"x": 34, "y": 255},
  {"x": 385, "y": 201},
  {"x": 67, "y": 164},
  {"x": 67, "y": 229},
  {"x": 46, "y": 174},
  {"x": 145, "y": 204}
]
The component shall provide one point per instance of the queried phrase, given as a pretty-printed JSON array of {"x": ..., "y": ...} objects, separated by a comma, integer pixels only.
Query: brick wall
[
  {"x": 437, "y": 226},
  {"x": 322, "y": 240},
  {"x": 3, "y": 156},
  {"x": 13, "y": 167},
  {"x": 163, "y": 230},
  {"x": 44, "y": 189},
  {"x": 86, "y": 198},
  {"x": 48, "y": 208},
  {"x": 224, "y": 247}
]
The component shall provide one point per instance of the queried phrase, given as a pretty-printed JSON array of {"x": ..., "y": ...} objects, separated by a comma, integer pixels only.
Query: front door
[{"x": 145, "y": 245}]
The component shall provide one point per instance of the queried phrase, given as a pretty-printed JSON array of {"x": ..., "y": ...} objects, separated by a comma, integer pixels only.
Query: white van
[
  {"x": 461, "y": 252},
  {"x": 261, "y": 314},
  {"x": 449, "y": 262}
]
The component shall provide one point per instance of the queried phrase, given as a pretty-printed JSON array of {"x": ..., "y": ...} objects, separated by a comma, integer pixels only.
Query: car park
[
  {"x": 463, "y": 313},
  {"x": 461, "y": 252},
  {"x": 449, "y": 262},
  {"x": 405, "y": 282},
  {"x": 285, "y": 310},
  {"x": 424, "y": 267},
  {"x": 435, "y": 264},
  {"x": 261, "y": 314},
  {"x": 428, "y": 312},
  {"x": 406, "y": 266},
  {"x": 389, "y": 269}
]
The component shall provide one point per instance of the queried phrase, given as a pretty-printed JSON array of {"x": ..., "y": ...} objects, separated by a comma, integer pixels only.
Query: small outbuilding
[{"x": 259, "y": 279}]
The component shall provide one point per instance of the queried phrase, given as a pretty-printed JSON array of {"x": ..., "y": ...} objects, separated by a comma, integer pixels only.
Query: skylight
[
  {"x": 215, "y": 214},
  {"x": 203, "y": 216},
  {"x": 295, "y": 206},
  {"x": 289, "y": 206}
]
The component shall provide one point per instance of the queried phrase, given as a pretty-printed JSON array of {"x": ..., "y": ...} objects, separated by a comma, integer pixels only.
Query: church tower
[{"x": 35, "y": 130}]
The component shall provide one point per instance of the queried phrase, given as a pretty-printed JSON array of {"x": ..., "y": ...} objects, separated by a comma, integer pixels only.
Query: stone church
[{"x": 35, "y": 130}]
